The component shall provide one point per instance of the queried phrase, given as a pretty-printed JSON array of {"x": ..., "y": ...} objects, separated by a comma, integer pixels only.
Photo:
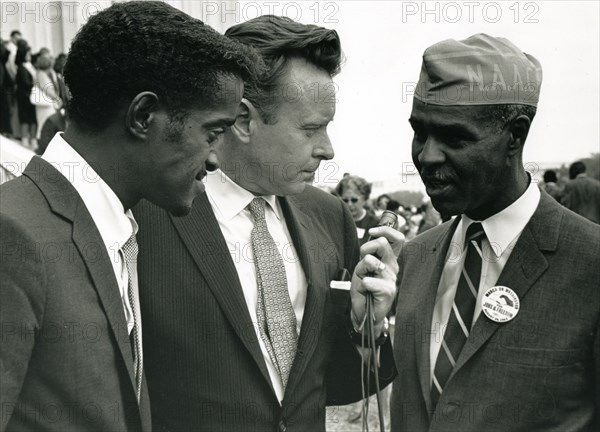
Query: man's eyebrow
[
  {"x": 460, "y": 129},
  {"x": 220, "y": 122},
  {"x": 463, "y": 130},
  {"x": 316, "y": 123}
]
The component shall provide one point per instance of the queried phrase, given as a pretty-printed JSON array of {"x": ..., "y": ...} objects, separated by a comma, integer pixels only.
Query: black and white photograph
[{"x": 299, "y": 216}]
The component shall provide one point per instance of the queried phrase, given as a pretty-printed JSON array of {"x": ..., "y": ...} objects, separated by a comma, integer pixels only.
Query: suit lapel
[
  {"x": 305, "y": 242},
  {"x": 65, "y": 201},
  {"x": 201, "y": 234},
  {"x": 98, "y": 263},
  {"x": 525, "y": 265},
  {"x": 430, "y": 273}
]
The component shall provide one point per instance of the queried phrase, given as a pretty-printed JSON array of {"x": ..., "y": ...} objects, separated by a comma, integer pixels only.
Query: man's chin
[
  {"x": 179, "y": 209},
  {"x": 296, "y": 189},
  {"x": 446, "y": 207}
]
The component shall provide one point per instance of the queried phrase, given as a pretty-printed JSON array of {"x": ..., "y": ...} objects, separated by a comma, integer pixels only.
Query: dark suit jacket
[
  {"x": 204, "y": 365},
  {"x": 538, "y": 372},
  {"x": 582, "y": 195},
  {"x": 66, "y": 362}
]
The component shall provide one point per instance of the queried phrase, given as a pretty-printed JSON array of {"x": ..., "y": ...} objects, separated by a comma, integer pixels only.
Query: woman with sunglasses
[{"x": 355, "y": 192}]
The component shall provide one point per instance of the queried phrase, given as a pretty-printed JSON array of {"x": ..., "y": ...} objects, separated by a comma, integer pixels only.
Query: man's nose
[
  {"x": 431, "y": 153},
  {"x": 324, "y": 149}
]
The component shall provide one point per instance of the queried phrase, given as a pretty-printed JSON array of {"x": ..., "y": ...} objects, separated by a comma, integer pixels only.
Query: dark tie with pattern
[
  {"x": 276, "y": 317},
  {"x": 461, "y": 316},
  {"x": 130, "y": 253}
]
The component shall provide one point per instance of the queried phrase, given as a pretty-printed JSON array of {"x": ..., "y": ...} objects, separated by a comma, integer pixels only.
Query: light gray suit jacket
[{"x": 538, "y": 372}]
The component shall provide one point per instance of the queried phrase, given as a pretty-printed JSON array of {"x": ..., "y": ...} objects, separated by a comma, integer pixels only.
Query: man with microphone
[{"x": 242, "y": 331}]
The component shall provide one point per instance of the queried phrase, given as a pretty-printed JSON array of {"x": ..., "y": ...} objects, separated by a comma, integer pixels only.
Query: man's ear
[
  {"x": 142, "y": 111},
  {"x": 246, "y": 121},
  {"x": 519, "y": 128}
]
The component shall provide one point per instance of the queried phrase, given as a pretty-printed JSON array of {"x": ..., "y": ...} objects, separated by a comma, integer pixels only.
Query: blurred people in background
[
  {"x": 355, "y": 192},
  {"x": 46, "y": 97},
  {"x": 59, "y": 65},
  {"x": 550, "y": 185},
  {"x": 393, "y": 205},
  {"x": 6, "y": 84},
  {"x": 11, "y": 69},
  {"x": 25, "y": 79},
  {"x": 15, "y": 37},
  {"x": 431, "y": 218},
  {"x": 582, "y": 193},
  {"x": 381, "y": 205}
]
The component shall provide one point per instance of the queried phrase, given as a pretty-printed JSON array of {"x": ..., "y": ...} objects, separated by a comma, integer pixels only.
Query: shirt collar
[
  {"x": 503, "y": 227},
  {"x": 230, "y": 198},
  {"x": 114, "y": 223}
]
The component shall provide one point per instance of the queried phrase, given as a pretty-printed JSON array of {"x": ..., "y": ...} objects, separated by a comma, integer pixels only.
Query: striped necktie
[
  {"x": 461, "y": 316},
  {"x": 130, "y": 253},
  {"x": 276, "y": 317}
]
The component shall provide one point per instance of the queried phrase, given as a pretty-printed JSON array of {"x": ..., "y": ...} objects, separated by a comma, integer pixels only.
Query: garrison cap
[{"x": 480, "y": 70}]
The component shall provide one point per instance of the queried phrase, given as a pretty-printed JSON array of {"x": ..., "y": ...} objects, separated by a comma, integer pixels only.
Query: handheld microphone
[{"x": 390, "y": 219}]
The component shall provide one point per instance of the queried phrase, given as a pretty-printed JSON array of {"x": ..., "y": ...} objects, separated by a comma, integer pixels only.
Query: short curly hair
[
  {"x": 498, "y": 116},
  {"x": 279, "y": 39},
  {"x": 140, "y": 46},
  {"x": 359, "y": 183}
]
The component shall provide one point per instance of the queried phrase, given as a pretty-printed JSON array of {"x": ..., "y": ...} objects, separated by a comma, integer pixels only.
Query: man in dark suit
[
  {"x": 582, "y": 193},
  {"x": 143, "y": 113},
  {"x": 228, "y": 345},
  {"x": 497, "y": 324}
]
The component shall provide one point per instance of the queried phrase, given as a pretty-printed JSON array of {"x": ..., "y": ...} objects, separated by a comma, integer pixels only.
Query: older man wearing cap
[{"x": 497, "y": 326}]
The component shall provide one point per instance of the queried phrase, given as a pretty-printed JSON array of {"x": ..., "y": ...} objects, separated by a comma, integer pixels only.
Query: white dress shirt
[
  {"x": 502, "y": 231},
  {"x": 114, "y": 223},
  {"x": 229, "y": 202}
]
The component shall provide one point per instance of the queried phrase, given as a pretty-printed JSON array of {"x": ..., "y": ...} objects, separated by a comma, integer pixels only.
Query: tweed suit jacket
[
  {"x": 537, "y": 372},
  {"x": 66, "y": 361},
  {"x": 204, "y": 365}
]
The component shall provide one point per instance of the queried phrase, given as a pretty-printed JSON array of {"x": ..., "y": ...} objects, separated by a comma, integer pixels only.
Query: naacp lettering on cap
[{"x": 480, "y": 70}]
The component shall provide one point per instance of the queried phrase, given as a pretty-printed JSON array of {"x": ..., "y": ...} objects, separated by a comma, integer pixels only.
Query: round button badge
[{"x": 500, "y": 304}]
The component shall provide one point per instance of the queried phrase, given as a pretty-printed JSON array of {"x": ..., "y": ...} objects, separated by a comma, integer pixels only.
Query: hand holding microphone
[
  {"x": 375, "y": 274},
  {"x": 372, "y": 292}
]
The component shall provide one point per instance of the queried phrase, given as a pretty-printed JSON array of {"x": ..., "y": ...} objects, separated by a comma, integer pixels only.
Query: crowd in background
[
  {"x": 413, "y": 219},
  {"x": 33, "y": 93},
  {"x": 579, "y": 193}
]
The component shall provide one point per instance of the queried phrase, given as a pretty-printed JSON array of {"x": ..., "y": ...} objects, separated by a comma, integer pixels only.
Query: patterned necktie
[
  {"x": 461, "y": 316},
  {"x": 130, "y": 253},
  {"x": 276, "y": 317}
]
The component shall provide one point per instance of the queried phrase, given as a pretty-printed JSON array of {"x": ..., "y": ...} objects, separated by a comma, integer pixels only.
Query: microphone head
[{"x": 389, "y": 218}]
